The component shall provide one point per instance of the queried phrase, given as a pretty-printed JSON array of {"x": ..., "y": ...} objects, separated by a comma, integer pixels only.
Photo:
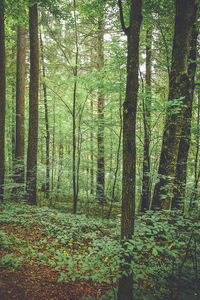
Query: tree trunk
[
  {"x": 53, "y": 147},
  {"x": 20, "y": 103},
  {"x": 33, "y": 107},
  {"x": 92, "y": 153},
  {"x": 194, "y": 194},
  {"x": 46, "y": 121},
  {"x": 75, "y": 196},
  {"x": 118, "y": 150},
  {"x": 100, "y": 185},
  {"x": 13, "y": 130},
  {"x": 146, "y": 181},
  {"x": 2, "y": 99},
  {"x": 125, "y": 291},
  {"x": 178, "y": 85},
  {"x": 181, "y": 169}
]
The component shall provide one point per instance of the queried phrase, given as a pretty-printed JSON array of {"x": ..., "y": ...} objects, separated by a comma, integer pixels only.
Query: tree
[
  {"x": 75, "y": 73},
  {"x": 33, "y": 106},
  {"x": 125, "y": 291},
  {"x": 146, "y": 182},
  {"x": 46, "y": 120},
  {"x": 20, "y": 102},
  {"x": 181, "y": 169},
  {"x": 100, "y": 185},
  {"x": 178, "y": 85},
  {"x": 2, "y": 99}
]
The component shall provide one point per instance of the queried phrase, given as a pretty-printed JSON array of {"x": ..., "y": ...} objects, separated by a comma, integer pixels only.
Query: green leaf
[{"x": 155, "y": 252}]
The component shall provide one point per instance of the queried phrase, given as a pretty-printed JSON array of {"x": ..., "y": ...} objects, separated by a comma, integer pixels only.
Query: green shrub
[{"x": 10, "y": 261}]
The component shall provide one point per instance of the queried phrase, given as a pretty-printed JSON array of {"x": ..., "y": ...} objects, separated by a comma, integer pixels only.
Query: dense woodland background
[
  {"x": 100, "y": 109},
  {"x": 82, "y": 82}
]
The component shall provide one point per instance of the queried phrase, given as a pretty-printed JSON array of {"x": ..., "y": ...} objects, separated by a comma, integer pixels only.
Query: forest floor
[
  {"x": 40, "y": 282},
  {"x": 34, "y": 280},
  {"x": 48, "y": 254}
]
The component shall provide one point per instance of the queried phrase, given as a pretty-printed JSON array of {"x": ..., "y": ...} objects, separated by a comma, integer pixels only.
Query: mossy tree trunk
[
  {"x": 181, "y": 169},
  {"x": 179, "y": 84},
  {"x": 125, "y": 291}
]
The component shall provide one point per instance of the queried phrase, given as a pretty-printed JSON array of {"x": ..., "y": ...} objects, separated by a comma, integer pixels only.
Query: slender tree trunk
[
  {"x": 53, "y": 146},
  {"x": 146, "y": 181},
  {"x": 60, "y": 153},
  {"x": 118, "y": 152},
  {"x": 100, "y": 185},
  {"x": 92, "y": 154},
  {"x": 178, "y": 85},
  {"x": 33, "y": 107},
  {"x": 194, "y": 193},
  {"x": 79, "y": 145},
  {"x": 20, "y": 103},
  {"x": 75, "y": 198},
  {"x": 181, "y": 169},
  {"x": 13, "y": 130},
  {"x": 125, "y": 291},
  {"x": 74, "y": 150},
  {"x": 46, "y": 120},
  {"x": 111, "y": 147},
  {"x": 2, "y": 99}
]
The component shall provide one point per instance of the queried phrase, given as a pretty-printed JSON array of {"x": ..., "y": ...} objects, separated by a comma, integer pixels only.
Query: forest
[{"x": 100, "y": 149}]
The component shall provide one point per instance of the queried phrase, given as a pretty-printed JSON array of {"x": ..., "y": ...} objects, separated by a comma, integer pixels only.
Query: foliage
[
  {"x": 10, "y": 261},
  {"x": 165, "y": 249},
  {"x": 4, "y": 241}
]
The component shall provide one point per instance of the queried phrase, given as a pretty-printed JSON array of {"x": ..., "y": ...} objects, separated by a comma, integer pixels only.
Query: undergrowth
[{"x": 165, "y": 249}]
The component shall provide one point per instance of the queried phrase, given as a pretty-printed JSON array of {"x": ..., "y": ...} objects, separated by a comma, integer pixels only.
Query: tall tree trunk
[
  {"x": 53, "y": 147},
  {"x": 146, "y": 181},
  {"x": 178, "y": 85},
  {"x": 125, "y": 291},
  {"x": 33, "y": 107},
  {"x": 75, "y": 196},
  {"x": 100, "y": 184},
  {"x": 92, "y": 153},
  {"x": 60, "y": 167},
  {"x": 46, "y": 120},
  {"x": 13, "y": 129},
  {"x": 118, "y": 150},
  {"x": 2, "y": 99},
  {"x": 194, "y": 193},
  {"x": 20, "y": 103},
  {"x": 181, "y": 169}
]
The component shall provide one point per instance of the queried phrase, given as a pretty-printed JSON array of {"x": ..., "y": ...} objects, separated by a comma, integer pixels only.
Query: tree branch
[{"x": 124, "y": 28}]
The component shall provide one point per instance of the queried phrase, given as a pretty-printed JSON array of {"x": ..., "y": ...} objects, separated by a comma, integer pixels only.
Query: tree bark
[
  {"x": 181, "y": 168},
  {"x": 20, "y": 103},
  {"x": 125, "y": 291},
  {"x": 75, "y": 196},
  {"x": 46, "y": 121},
  {"x": 92, "y": 153},
  {"x": 146, "y": 181},
  {"x": 194, "y": 194},
  {"x": 2, "y": 99},
  {"x": 178, "y": 85},
  {"x": 33, "y": 107},
  {"x": 100, "y": 185}
]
